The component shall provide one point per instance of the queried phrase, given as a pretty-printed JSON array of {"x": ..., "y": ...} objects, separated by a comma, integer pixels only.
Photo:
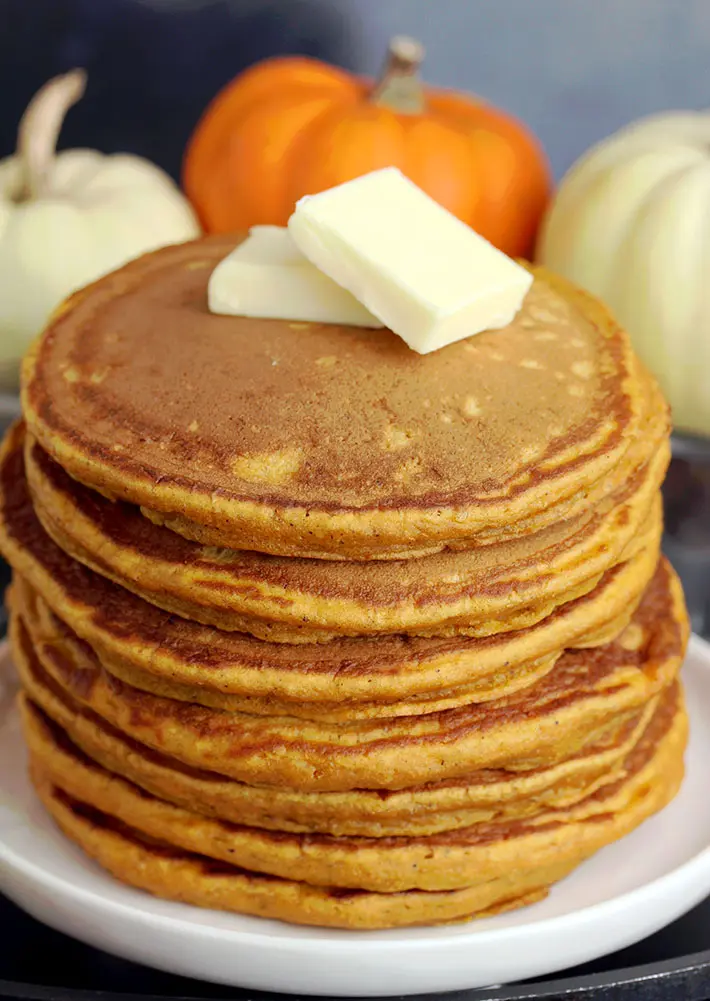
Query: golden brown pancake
[
  {"x": 345, "y": 678},
  {"x": 585, "y": 694},
  {"x": 195, "y": 879},
  {"x": 551, "y": 847},
  {"x": 483, "y": 796},
  {"x": 478, "y": 592},
  {"x": 447, "y": 861},
  {"x": 331, "y": 441},
  {"x": 488, "y": 687}
]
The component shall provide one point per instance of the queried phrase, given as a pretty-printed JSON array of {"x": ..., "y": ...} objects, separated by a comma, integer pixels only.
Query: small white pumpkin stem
[
  {"x": 399, "y": 87},
  {"x": 39, "y": 130}
]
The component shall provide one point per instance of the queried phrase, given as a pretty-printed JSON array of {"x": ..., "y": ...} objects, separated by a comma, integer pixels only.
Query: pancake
[
  {"x": 483, "y": 796},
  {"x": 487, "y": 688},
  {"x": 179, "y": 874},
  {"x": 651, "y": 432},
  {"x": 585, "y": 694},
  {"x": 331, "y": 441},
  {"x": 312, "y": 627},
  {"x": 448, "y": 861},
  {"x": 479, "y": 592},
  {"x": 195, "y": 879},
  {"x": 345, "y": 678}
]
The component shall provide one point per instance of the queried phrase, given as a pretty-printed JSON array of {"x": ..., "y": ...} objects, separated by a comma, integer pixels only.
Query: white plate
[{"x": 626, "y": 892}]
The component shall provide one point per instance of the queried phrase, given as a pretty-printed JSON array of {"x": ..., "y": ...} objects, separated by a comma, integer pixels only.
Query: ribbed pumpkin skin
[
  {"x": 293, "y": 126},
  {"x": 629, "y": 223}
]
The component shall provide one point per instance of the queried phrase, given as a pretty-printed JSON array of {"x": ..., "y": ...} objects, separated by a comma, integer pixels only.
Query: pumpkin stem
[
  {"x": 39, "y": 130},
  {"x": 399, "y": 87}
]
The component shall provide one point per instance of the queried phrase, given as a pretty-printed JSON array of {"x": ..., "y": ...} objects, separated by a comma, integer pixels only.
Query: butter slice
[
  {"x": 267, "y": 276},
  {"x": 425, "y": 274}
]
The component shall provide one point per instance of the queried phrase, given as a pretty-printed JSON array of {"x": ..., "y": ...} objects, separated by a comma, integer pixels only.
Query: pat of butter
[
  {"x": 428, "y": 276},
  {"x": 267, "y": 276}
]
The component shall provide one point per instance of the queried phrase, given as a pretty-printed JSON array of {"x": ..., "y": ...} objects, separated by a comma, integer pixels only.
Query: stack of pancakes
[{"x": 312, "y": 627}]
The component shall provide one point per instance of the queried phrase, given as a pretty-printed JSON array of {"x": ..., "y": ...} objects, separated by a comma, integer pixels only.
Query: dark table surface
[{"x": 36, "y": 962}]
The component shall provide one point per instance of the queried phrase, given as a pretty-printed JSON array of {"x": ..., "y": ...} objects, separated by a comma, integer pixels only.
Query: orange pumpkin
[{"x": 293, "y": 126}]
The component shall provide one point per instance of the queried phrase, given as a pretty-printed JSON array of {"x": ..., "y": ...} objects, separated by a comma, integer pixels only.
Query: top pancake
[{"x": 323, "y": 440}]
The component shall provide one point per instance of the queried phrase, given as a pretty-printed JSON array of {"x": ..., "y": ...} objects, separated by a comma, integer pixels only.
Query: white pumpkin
[
  {"x": 68, "y": 218},
  {"x": 631, "y": 223}
]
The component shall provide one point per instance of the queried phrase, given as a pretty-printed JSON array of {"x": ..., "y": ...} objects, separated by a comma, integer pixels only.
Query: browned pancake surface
[
  {"x": 587, "y": 693},
  {"x": 131, "y": 634},
  {"x": 449, "y": 860},
  {"x": 137, "y": 388},
  {"x": 490, "y": 589},
  {"x": 153, "y": 862}
]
